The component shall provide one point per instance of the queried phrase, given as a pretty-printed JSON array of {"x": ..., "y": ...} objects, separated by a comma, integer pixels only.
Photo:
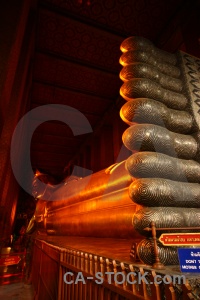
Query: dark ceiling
[{"x": 76, "y": 62}]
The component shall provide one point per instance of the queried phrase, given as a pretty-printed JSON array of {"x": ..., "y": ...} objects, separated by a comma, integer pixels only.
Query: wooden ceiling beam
[
  {"x": 67, "y": 88},
  {"x": 45, "y": 165},
  {"x": 37, "y": 142},
  {"x": 61, "y": 159},
  {"x": 66, "y": 13},
  {"x": 75, "y": 61},
  {"x": 51, "y": 151},
  {"x": 34, "y": 104},
  {"x": 56, "y": 140}
]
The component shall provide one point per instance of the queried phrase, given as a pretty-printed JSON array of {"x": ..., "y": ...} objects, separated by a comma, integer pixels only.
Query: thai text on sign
[
  {"x": 178, "y": 239},
  {"x": 189, "y": 259}
]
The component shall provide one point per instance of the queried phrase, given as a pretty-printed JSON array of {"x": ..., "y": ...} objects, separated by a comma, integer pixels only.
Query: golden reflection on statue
[{"x": 159, "y": 182}]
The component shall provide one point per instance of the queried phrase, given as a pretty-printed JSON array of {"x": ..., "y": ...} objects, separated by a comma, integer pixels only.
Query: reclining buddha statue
[{"x": 159, "y": 182}]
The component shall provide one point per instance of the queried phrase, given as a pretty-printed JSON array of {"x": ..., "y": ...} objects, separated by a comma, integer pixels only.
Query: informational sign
[
  {"x": 189, "y": 259},
  {"x": 7, "y": 261},
  {"x": 180, "y": 239}
]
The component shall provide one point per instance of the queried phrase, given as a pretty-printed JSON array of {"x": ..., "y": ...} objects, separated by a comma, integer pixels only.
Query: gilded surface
[
  {"x": 161, "y": 176},
  {"x": 97, "y": 206}
]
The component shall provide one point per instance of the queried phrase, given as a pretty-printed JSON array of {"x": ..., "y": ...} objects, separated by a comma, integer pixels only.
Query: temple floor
[
  {"x": 16, "y": 291},
  {"x": 14, "y": 282}
]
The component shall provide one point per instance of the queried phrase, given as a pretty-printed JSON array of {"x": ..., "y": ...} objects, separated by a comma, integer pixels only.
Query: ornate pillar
[{"x": 17, "y": 23}]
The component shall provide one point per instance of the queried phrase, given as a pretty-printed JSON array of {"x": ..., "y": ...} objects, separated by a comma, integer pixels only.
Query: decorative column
[{"x": 17, "y": 20}]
